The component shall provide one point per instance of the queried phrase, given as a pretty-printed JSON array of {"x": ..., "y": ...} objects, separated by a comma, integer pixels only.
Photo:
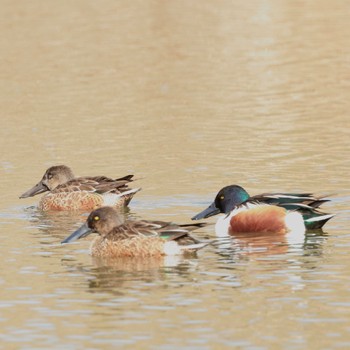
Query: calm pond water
[{"x": 189, "y": 97}]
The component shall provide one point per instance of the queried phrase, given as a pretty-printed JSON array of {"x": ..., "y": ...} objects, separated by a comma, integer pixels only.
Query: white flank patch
[
  {"x": 171, "y": 248},
  {"x": 222, "y": 225},
  {"x": 294, "y": 222},
  {"x": 111, "y": 199},
  {"x": 296, "y": 229}
]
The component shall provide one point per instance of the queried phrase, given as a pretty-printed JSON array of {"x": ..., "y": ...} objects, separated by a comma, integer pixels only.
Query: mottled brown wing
[
  {"x": 166, "y": 230},
  {"x": 78, "y": 184},
  {"x": 148, "y": 228},
  {"x": 107, "y": 185},
  {"x": 103, "y": 179},
  {"x": 141, "y": 228},
  {"x": 98, "y": 184}
]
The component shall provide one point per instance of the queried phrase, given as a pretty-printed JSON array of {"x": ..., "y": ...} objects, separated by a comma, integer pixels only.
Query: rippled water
[{"x": 189, "y": 97}]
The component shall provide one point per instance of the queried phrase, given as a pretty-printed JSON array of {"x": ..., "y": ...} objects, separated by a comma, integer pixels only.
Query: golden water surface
[{"x": 189, "y": 96}]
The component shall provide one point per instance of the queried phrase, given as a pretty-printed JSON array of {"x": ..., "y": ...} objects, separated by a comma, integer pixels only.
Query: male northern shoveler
[
  {"x": 268, "y": 212},
  {"x": 119, "y": 238},
  {"x": 67, "y": 192}
]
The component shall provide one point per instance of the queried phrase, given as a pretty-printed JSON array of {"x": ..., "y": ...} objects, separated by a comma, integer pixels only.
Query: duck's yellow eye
[
  {"x": 222, "y": 197},
  {"x": 96, "y": 218}
]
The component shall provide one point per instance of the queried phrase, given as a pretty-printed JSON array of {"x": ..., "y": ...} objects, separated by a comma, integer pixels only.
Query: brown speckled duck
[
  {"x": 120, "y": 238},
  {"x": 66, "y": 192}
]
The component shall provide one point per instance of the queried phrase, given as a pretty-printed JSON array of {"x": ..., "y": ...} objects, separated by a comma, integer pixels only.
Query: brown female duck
[
  {"x": 66, "y": 192},
  {"x": 120, "y": 238}
]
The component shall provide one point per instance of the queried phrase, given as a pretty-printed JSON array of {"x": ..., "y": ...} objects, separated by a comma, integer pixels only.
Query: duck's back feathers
[
  {"x": 281, "y": 198},
  {"x": 165, "y": 230},
  {"x": 98, "y": 184}
]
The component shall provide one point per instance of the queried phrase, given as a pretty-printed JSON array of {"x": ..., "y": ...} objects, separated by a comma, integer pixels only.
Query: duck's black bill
[
  {"x": 81, "y": 232},
  {"x": 38, "y": 188},
  {"x": 206, "y": 213}
]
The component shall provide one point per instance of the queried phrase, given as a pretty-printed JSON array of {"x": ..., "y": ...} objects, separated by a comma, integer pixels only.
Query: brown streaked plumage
[
  {"x": 67, "y": 192},
  {"x": 119, "y": 238}
]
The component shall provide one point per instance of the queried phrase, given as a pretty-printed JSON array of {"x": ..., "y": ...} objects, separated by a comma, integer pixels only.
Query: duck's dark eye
[{"x": 49, "y": 176}]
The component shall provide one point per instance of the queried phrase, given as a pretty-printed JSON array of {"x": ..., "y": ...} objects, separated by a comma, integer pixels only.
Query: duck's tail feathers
[
  {"x": 193, "y": 247},
  {"x": 126, "y": 178},
  {"x": 317, "y": 222},
  {"x": 128, "y": 192},
  {"x": 192, "y": 227},
  {"x": 128, "y": 195},
  {"x": 173, "y": 248},
  {"x": 318, "y": 202}
]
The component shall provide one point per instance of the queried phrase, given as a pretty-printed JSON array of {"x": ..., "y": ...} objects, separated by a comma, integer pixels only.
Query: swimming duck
[
  {"x": 67, "y": 192},
  {"x": 268, "y": 212},
  {"x": 118, "y": 237}
]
